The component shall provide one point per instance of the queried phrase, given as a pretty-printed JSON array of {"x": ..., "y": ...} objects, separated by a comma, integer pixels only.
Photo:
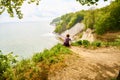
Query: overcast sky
[{"x": 48, "y": 9}]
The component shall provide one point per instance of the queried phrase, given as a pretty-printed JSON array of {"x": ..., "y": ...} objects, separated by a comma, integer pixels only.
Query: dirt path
[
  {"x": 99, "y": 64},
  {"x": 107, "y": 56}
]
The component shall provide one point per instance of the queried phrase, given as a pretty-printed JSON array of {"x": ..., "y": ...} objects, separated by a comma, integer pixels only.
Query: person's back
[{"x": 66, "y": 42}]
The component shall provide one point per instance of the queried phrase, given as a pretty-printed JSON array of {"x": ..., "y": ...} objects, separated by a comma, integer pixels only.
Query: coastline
[{"x": 77, "y": 28}]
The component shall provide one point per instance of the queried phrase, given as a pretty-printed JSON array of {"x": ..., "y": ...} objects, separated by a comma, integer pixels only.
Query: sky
[{"x": 48, "y": 10}]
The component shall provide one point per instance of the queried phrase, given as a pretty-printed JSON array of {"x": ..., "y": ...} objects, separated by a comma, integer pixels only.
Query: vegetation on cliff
[
  {"x": 103, "y": 20},
  {"x": 67, "y": 21},
  {"x": 37, "y": 68},
  {"x": 42, "y": 64}
]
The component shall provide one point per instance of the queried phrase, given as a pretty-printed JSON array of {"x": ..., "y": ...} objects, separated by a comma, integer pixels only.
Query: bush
[
  {"x": 6, "y": 63},
  {"x": 38, "y": 67},
  {"x": 96, "y": 43},
  {"x": 115, "y": 43},
  {"x": 51, "y": 56},
  {"x": 79, "y": 42},
  {"x": 74, "y": 44},
  {"x": 86, "y": 43}
]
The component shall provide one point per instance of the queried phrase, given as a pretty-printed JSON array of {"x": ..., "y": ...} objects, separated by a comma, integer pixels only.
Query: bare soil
[{"x": 86, "y": 64}]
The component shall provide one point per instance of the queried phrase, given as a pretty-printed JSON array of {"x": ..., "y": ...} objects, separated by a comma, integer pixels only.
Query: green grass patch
[
  {"x": 51, "y": 56},
  {"x": 36, "y": 68},
  {"x": 95, "y": 44},
  {"x": 84, "y": 43}
]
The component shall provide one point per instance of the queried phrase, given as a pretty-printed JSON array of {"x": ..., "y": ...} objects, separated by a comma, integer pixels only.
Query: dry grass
[{"x": 108, "y": 36}]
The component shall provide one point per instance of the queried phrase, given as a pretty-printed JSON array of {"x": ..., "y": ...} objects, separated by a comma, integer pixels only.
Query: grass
[
  {"x": 36, "y": 68},
  {"x": 84, "y": 43},
  {"x": 95, "y": 44},
  {"x": 53, "y": 55},
  {"x": 105, "y": 40},
  {"x": 108, "y": 37},
  {"x": 43, "y": 63}
]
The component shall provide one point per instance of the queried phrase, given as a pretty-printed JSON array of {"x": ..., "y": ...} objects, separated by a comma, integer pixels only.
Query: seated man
[{"x": 67, "y": 40}]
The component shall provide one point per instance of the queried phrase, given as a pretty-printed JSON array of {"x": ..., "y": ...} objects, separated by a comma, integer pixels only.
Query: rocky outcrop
[
  {"x": 87, "y": 35},
  {"x": 73, "y": 31}
]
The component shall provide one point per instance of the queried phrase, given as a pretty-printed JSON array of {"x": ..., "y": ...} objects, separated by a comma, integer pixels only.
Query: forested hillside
[
  {"x": 106, "y": 19},
  {"x": 67, "y": 21}
]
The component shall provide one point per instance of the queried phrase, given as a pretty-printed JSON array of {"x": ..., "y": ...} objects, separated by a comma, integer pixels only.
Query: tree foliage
[
  {"x": 89, "y": 18},
  {"x": 14, "y": 6},
  {"x": 106, "y": 19},
  {"x": 6, "y": 63},
  {"x": 68, "y": 20},
  {"x": 110, "y": 21},
  {"x": 88, "y": 2}
]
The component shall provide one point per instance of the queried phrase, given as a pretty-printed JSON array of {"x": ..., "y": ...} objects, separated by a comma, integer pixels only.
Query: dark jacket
[{"x": 66, "y": 42}]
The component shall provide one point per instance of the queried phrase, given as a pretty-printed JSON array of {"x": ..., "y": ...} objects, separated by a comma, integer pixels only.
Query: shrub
[
  {"x": 96, "y": 43},
  {"x": 74, "y": 44},
  {"x": 6, "y": 63},
  {"x": 79, "y": 42},
  {"x": 52, "y": 55},
  {"x": 86, "y": 43}
]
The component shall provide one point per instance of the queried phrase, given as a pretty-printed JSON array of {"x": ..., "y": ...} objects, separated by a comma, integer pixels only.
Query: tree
[
  {"x": 89, "y": 18},
  {"x": 6, "y": 64},
  {"x": 14, "y": 6},
  {"x": 88, "y": 2},
  {"x": 110, "y": 21}
]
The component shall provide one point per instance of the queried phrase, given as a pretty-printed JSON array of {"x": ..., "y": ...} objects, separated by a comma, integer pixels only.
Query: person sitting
[{"x": 67, "y": 40}]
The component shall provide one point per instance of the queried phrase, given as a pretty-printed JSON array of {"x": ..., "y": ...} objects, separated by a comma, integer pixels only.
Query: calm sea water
[{"x": 26, "y": 38}]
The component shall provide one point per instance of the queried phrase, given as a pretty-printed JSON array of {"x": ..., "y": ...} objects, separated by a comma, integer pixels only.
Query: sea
[{"x": 25, "y": 39}]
